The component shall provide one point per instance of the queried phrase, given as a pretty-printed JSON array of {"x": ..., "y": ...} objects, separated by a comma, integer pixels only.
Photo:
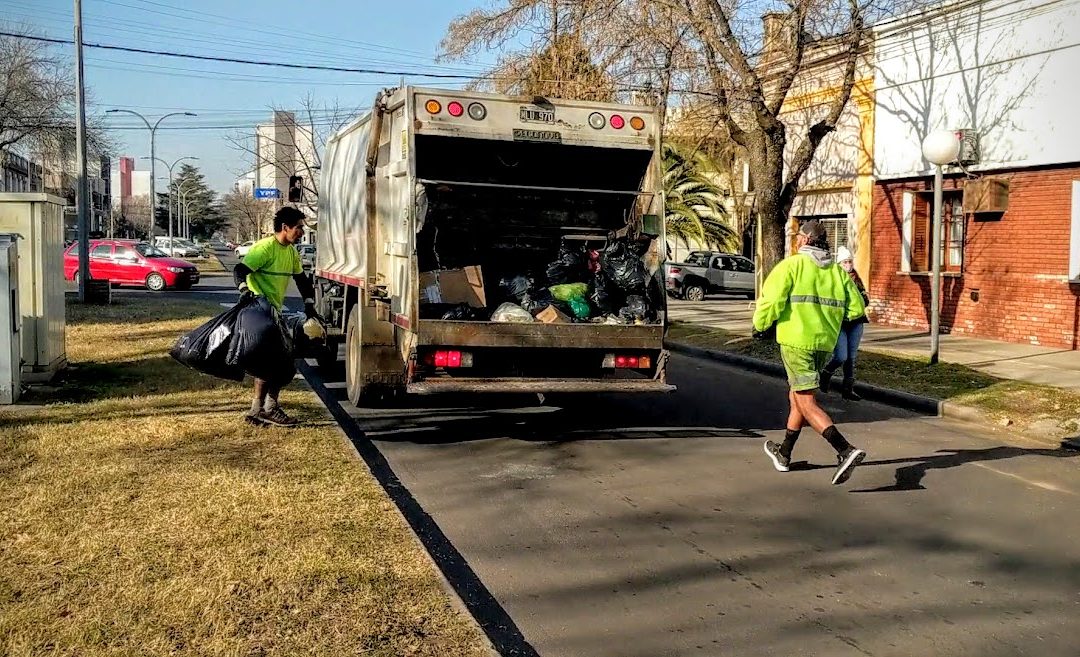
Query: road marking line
[{"x": 1037, "y": 484}]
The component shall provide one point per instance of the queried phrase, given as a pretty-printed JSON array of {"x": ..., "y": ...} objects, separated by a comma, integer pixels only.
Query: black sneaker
[
  {"x": 278, "y": 418},
  {"x": 255, "y": 419},
  {"x": 780, "y": 462},
  {"x": 846, "y": 462}
]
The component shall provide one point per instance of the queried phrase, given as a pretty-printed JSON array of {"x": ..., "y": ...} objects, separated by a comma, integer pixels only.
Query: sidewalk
[{"x": 1006, "y": 360}]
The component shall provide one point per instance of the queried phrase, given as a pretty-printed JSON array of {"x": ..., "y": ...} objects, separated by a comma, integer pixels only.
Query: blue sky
[{"x": 231, "y": 98}]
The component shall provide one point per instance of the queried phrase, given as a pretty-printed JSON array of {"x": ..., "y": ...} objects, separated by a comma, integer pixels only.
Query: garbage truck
[{"x": 474, "y": 242}]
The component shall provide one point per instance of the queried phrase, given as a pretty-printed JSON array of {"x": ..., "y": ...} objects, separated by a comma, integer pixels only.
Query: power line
[{"x": 251, "y": 62}]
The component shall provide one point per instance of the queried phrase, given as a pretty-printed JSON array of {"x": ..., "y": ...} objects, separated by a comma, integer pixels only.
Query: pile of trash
[
  {"x": 251, "y": 338},
  {"x": 608, "y": 286}
]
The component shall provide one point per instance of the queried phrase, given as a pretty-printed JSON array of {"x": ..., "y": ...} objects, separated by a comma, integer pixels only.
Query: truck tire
[
  {"x": 354, "y": 376},
  {"x": 694, "y": 292}
]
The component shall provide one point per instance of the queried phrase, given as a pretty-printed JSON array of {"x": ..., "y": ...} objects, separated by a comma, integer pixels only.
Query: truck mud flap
[{"x": 455, "y": 385}]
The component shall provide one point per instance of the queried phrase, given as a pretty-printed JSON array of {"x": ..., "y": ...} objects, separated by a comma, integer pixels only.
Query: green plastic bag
[
  {"x": 567, "y": 291},
  {"x": 580, "y": 307}
]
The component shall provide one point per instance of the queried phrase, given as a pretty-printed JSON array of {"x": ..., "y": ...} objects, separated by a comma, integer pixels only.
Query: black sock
[
  {"x": 836, "y": 439},
  {"x": 789, "y": 442}
]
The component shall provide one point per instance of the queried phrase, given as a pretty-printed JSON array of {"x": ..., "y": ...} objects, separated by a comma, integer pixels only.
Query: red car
[{"x": 127, "y": 262}]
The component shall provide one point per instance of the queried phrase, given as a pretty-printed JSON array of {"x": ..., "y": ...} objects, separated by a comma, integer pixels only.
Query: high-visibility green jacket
[{"x": 808, "y": 297}]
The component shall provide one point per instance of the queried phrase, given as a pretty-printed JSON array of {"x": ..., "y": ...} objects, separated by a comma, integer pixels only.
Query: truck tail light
[
  {"x": 597, "y": 120},
  {"x": 674, "y": 271},
  {"x": 433, "y": 106},
  {"x": 637, "y": 123},
  {"x": 627, "y": 362},
  {"x": 447, "y": 359},
  {"x": 477, "y": 112},
  {"x": 617, "y": 121},
  {"x": 455, "y": 109}
]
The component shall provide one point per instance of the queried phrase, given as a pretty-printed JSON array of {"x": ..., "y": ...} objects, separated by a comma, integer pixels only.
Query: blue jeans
[{"x": 847, "y": 346}]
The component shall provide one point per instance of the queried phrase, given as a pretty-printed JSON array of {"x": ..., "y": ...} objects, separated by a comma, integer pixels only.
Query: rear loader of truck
[{"x": 474, "y": 242}]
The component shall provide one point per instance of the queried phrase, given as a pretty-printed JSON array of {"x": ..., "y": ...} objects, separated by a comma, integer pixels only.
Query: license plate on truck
[{"x": 542, "y": 136}]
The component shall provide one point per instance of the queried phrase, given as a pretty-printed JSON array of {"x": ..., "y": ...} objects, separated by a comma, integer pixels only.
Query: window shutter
[
  {"x": 907, "y": 235},
  {"x": 920, "y": 248}
]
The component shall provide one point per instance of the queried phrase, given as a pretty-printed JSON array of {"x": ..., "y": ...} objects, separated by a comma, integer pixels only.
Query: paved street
[
  {"x": 655, "y": 525},
  {"x": 649, "y": 526}
]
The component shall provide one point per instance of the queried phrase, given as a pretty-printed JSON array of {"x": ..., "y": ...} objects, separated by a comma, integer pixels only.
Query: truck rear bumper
[{"x": 512, "y": 385}]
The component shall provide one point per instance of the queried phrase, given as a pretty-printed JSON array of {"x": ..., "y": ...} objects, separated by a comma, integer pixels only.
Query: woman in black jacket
[{"x": 847, "y": 345}]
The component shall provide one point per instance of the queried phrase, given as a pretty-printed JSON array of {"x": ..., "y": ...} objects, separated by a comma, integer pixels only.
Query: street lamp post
[
  {"x": 940, "y": 147},
  {"x": 181, "y": 194},
  {"x": 153, "y": 159},
  {"x": 170, "y": 167}
]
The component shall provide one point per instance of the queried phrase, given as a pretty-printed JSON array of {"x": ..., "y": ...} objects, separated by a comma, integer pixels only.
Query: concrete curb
[{"x": 897, "y": 398}]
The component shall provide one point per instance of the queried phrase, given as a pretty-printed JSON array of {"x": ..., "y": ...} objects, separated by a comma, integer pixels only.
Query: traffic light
[{"x": 296, "y": 189}]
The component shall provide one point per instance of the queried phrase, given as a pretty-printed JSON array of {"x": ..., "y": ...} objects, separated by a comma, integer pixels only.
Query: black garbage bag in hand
[
  {"x": 571, "y": 266},
  {"x": 206, "y": 348},
  {"x": 261, "y": 345}
]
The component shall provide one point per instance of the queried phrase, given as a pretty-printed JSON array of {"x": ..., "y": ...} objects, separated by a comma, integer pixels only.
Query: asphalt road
[
  {"x": 647, "y": 526},
  {"x": 655, "y": 525}
]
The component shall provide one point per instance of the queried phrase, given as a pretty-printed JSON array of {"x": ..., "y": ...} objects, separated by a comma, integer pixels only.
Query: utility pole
[{"x": 82, "y": 201}]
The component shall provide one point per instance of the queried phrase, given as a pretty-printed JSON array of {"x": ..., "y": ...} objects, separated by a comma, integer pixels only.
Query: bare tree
[
  {"x": 247, "y": 215},
  {"x": 720, "y": 52},
  {"x": 300, "y": 150},
  {"x": 37, "y": 98}
]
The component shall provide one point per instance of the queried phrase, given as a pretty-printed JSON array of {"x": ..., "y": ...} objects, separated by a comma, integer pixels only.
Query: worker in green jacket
[{"x": 806, "y": 297}]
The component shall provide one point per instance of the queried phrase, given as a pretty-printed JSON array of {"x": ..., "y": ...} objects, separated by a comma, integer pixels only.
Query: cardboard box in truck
[{"x": 464, "y": 285}]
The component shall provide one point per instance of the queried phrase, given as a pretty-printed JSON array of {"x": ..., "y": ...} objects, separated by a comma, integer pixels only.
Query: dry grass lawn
[{"x": 139, "y": 516}]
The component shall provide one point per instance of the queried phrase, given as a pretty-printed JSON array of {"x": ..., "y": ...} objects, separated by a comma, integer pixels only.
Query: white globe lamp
[{"x": 941, "y": 147}]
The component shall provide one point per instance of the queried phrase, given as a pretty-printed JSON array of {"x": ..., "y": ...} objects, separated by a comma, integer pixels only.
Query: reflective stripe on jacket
[{"x": 807, "y": 302}]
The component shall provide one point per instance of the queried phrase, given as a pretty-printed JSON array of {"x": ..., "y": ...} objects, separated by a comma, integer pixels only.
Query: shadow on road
[{"x": 909, "y": 477}]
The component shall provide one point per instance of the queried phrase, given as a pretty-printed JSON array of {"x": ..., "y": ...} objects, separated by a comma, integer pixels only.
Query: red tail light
[
  {"x": 449, "y": 359},
  {"x": 674, "y": 270},
  {"x": 455, "y": 109},
  {"x": 612, "y": 361},
  {"x": 616, "y": 121}
]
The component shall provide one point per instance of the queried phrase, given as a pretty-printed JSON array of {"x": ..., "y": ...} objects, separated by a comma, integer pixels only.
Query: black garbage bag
[
  {"x": 261, "y": 345},
  {"x": 436, "y": 310},
  {"x": 303, "y": 346},
  {"x": 463, "y": 312},
  {"x": 622, "y": 265},
  {"x": 514, "y": 288},
  {"x": 604, "y": 296},
  {"x": 536, "y": 300},
  {"x": 206, "y": 348},
  {"x": 571, "y": 265},
  {"x": 636, "y": 309}
]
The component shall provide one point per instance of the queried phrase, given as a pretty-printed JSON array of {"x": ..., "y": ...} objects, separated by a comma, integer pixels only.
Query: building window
[
  {"x": 952, "y": 231},
  {"x": 836, "y": 227}
]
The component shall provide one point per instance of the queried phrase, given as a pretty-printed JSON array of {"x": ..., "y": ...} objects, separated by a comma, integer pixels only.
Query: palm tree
[{"x": 694, "y": 210}]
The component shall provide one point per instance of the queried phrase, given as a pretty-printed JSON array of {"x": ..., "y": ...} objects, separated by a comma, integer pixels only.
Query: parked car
[
  {"x": 710, "y": 272},
  {"x": 307, "y": 255},
  {"x": 179, "y": 248},
  {"x": 127, "y": 262},
  {"x": 242, "y": 250}
]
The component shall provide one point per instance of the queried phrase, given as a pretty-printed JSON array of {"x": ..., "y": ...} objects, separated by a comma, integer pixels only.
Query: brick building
[{"x": 1001, "y": 72}]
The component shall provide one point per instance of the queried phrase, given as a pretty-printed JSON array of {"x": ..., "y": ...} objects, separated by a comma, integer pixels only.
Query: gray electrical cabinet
[
  {"x": 10, "y": 321},
  {"x": 38, "y": 219}
]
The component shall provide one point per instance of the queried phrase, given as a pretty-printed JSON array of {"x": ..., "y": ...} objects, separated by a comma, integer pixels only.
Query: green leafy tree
[
  {"x": 694, "y": 203},
  {"x": 203, "y": 207}
]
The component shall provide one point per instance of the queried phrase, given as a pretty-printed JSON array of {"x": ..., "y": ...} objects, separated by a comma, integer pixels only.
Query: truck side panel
[{"x": 342, "y": 223}]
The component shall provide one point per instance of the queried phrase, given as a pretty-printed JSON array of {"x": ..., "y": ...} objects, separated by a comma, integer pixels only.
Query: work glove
[
  {"x": 767, "y": 334},
  {"x": 246, "y": 295}
]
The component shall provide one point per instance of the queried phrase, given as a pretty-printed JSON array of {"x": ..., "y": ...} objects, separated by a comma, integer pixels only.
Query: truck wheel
[
  {"x": 354, "y": 378},
  {"x": 694, "y": 293}
]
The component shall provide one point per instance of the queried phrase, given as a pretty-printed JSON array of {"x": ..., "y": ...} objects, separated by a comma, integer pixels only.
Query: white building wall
[{"x": 1007, "y": 69}]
